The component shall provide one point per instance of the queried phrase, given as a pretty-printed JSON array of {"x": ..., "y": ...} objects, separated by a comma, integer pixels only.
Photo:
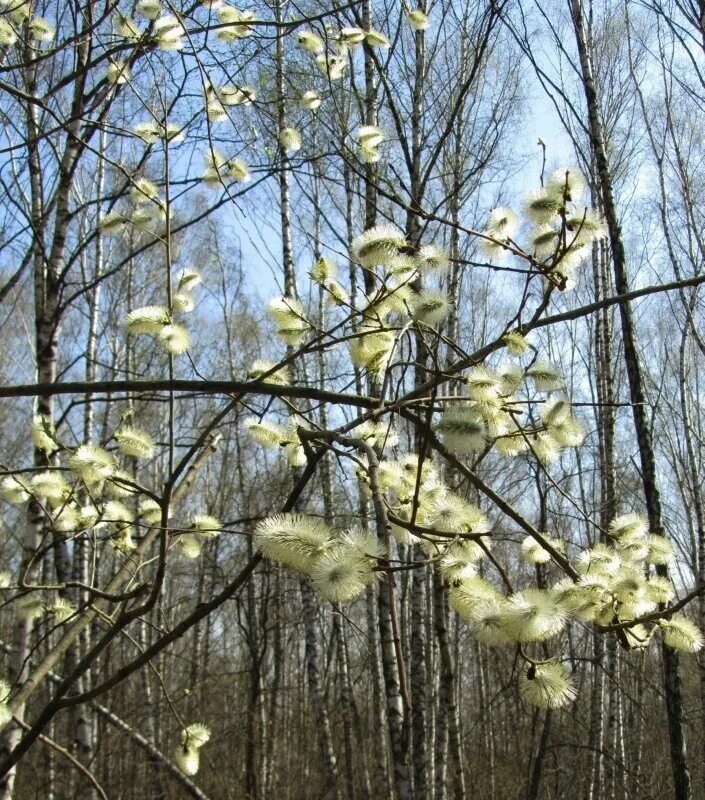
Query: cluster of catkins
[
  {"x": 614, "y": 583},
  {"x": 93, "y": 491},
  {"x": 167, "y": 32},
  {"x": 220, "y": 169},
  {"x": 90, "y": 471},
  {"x": 374, "y": 339},
  {"x": 146, "y": 212},
  {"x": 331, "y": 55},
  {"x": 166, "y": 29},
  {"x": 330, "y": 52},
  {"x": 341, "y": 565},
  {"x": 563, "y": 229},
  {"x": 567, "y": 231},
  {"x": 423, "y": 511},
  {"x": 492, "y": 412},
  {"x": 159, "y": 322},
  {"x": 15, "y": 15}
]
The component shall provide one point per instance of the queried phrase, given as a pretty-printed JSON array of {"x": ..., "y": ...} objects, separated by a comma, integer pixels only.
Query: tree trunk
[
  {"x": 672, "y": 684},
  {"x": 537, "y": 762}
]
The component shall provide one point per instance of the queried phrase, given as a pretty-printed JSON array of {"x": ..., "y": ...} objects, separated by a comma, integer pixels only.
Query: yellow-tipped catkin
[
  {"x": 135, "y": 442},
  {"x": 377, "y": 245},
  {"x": 14, "y": 490},
  {"x": 681, "y": 634},
  {"x": 463, "y": 428},
  {"x": 293, "y": 539},
  {"x": 545, "y": 376},
  {"x": 340, "y": 575},
  {"x": 43, "y": 433},
  {"x": 418, "y": 20},
  {"x": 546, "y": 686}
]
